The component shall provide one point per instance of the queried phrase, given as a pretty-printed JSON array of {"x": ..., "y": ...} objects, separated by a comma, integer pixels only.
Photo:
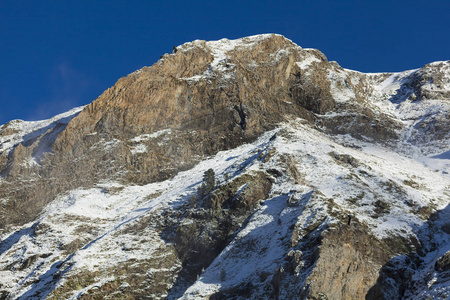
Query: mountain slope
[{"x": 330, "y": 183}]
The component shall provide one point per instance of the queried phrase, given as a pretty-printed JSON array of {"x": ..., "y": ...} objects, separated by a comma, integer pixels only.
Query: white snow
[
  {"x": 106, "y": 212},
  {"x": 146, "y": 137},
  {"x": 27, "y": 130},
  {"x": 139, "y": 148},
  {"x": 311, "y": 149},
  {"x": 306, "y": 63},
  {"x": 111, "y": 206},
  {"x": 219, "y": 50}
]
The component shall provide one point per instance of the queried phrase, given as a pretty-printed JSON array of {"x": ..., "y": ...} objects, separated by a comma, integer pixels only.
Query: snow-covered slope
[
  {"x": 378, "y": 187},
  {"x": 18, "y": 131},
  {"x": 417, "y": 100}
]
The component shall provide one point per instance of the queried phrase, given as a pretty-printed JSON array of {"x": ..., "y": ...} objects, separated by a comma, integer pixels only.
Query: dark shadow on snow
[
  {"x": 444, "y": 155},
  {"x": 41, "y": 131},
  {"x": 47, "y": 282},
  {"x": 279, "y": 232},
  {"x": 7, "y": 243},
  {"x": 405, "y": 90}
]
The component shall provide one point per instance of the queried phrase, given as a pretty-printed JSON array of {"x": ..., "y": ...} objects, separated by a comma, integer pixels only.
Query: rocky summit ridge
[{"x": 327, "y": 183}]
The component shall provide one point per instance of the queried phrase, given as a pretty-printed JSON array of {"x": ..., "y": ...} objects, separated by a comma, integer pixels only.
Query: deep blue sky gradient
[{"x": 55, "y": 55}]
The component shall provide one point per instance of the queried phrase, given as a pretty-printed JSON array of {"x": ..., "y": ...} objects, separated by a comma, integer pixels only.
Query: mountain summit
[{"x": 234, "y": 169}]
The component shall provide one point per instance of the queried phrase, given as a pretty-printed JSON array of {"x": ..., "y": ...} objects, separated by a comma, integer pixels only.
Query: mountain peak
[
  {"x": 225, "y": 44},
  {"x": 234, "y": 169}
]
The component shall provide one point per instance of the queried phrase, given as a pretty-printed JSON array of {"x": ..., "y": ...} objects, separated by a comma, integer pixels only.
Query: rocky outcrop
[
  {"x": 348, "y": 263},
  {"x": 411, "y": 274}
]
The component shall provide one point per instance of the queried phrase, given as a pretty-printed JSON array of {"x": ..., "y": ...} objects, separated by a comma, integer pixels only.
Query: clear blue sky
[{"x": 55, "y": 55}]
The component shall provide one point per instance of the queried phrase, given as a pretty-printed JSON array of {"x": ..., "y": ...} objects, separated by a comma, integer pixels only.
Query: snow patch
[
  {"x": 24, "y": 131},
  {"x": 306, "y": 63},
  {"x": 219, "y": 50},
  {"x": 146, "y": 137}
]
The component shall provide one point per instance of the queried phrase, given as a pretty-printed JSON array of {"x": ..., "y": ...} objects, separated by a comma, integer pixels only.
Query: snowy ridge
[
  {"x": 410, "y": 98},
  {"x": 22, "y": 131}
]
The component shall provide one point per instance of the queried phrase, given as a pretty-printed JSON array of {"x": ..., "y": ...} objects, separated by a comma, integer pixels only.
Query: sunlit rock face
[{"x": 327, "y": 183}]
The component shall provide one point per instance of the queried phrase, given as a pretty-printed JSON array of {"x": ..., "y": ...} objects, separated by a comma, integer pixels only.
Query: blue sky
[{"x": 55, "y": 55}]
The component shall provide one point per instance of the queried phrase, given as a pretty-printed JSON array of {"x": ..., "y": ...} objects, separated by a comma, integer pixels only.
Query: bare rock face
[{"x": 348, "y": 263}]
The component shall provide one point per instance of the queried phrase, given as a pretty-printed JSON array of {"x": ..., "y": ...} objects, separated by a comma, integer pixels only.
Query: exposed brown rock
[{"x": 348, "y": 262}]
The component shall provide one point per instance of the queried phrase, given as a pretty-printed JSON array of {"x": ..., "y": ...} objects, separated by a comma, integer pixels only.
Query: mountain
[{"x": 326, "y": 183}]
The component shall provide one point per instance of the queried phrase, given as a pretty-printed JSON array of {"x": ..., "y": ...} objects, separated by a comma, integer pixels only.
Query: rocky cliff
[{"x": 329, "y": 183}]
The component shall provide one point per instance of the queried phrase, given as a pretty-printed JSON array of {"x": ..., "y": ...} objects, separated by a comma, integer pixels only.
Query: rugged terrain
[{"x": 329, "y": 183}]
